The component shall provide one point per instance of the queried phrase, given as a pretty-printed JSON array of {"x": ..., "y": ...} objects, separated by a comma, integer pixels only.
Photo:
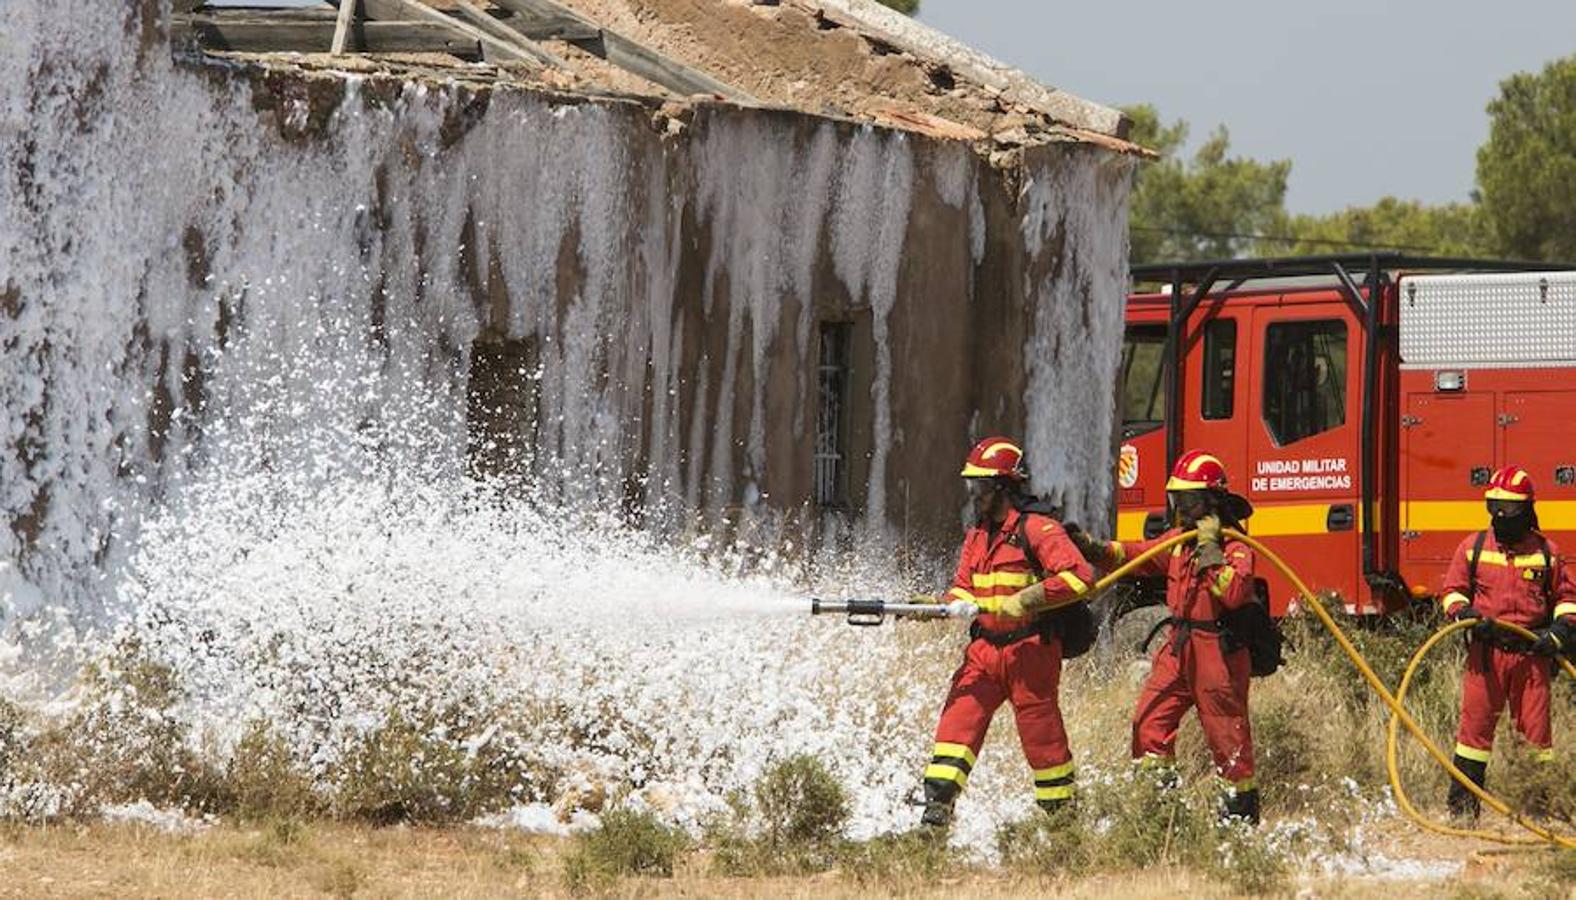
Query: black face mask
[
  {"x": 1511, "y": 520},
  {"x": 1511, "y": 529}
]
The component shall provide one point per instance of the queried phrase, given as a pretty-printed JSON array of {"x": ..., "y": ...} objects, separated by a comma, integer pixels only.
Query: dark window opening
[
  {"x": 1220, "y": 368},
  {"x": 1304, "y": 379},
  {"x": 501, "y": 408},
  {"x": 832, "y": 416},
  {"x": 1143, "y": 379}
]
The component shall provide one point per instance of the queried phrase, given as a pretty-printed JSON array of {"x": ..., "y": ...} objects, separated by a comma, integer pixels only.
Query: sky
[{"x": 1365, "y": 97}]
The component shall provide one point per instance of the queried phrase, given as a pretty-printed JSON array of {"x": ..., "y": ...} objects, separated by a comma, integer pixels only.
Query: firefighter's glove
[
  {"x": 1025, "y": 602},
  {"x": 1464, "y": 611},
  {"x": 1092, "y": 550},
  {"x": 1547, "y": 643},
  {"x": 1208, "y": 537},
  {"x": 962, "y": 609}
]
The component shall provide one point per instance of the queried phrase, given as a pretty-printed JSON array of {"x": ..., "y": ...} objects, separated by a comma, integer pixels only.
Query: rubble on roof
[{"x": 841, "y": 58}]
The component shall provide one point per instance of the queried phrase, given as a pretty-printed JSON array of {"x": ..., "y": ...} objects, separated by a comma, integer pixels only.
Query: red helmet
[
  {"x": 1509, "y": 483},
  {"x": 995, "y": 457},
  {"x": 1197, "y": 471}
]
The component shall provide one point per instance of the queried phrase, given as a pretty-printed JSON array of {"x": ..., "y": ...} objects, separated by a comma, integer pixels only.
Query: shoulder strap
[
  {"x": 1548, "y": 568},
  {"x": 1472, "y": 564},
  {"x": 1028, "y": 549}
]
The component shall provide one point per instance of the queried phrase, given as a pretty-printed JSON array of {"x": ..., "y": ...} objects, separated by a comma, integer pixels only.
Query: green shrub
[
  {"x": 626, "y": 843},
  {"x": 801, "y": 803},
  {"x": 417, "y": 770},
  {"x": 263, "y": 779}
]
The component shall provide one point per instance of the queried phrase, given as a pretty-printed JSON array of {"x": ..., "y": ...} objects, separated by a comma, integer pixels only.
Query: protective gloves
[
  {"x": 962, "y": 609},
  {"x": 1025, "y": 602},
  {"x": 1208, "y": 538},
  {"x": 1094, "y": 551},
  {"x": 1547, "y": 644},
  {"x": 1464, "y": 611}
]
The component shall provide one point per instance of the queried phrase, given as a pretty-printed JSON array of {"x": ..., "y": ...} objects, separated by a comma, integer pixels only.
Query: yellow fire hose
[
  {"x": 1398, "y": 714},
  {"x": 1391, "y": 749}
]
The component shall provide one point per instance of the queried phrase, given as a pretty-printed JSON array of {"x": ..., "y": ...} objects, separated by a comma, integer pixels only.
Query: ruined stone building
[{"x": 679, "y": 254}]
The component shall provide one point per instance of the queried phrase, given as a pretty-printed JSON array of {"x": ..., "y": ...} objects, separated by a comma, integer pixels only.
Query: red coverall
[
  {"x": 1510, "y": 586},
  {"x": 1190, "y": 668},
  {"x": 1027, "y": 672}
]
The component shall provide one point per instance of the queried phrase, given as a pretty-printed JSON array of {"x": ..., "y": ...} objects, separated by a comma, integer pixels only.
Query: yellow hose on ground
[
  {"x": 1398, "y": 713},
  {"x": 1393, "y": 733}
]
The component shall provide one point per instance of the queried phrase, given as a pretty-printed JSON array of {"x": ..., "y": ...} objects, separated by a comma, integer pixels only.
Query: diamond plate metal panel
[{"x": 1488, "y": 321}]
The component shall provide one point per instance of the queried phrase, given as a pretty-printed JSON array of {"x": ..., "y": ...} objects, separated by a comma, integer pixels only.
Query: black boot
[
  {"x": 1241, "y": 805},
  {"x": 1060, "y": 812},
  {"x": 939, "y": 797},
  {"x": 1463, "y": 803}
]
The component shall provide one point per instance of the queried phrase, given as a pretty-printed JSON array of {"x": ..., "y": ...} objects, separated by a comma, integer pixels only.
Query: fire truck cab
[{"x": 1359, "y": 402}]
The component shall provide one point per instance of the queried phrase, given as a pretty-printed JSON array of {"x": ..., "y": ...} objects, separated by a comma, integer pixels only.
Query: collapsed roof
[{"x": 843, "y": 58}]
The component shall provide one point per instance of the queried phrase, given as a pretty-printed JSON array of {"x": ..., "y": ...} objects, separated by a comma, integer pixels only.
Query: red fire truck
[{"x": 1359, "y": 402}]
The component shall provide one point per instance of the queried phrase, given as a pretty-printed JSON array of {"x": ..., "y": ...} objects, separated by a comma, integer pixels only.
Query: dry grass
[{"x": 358, "y": 860}]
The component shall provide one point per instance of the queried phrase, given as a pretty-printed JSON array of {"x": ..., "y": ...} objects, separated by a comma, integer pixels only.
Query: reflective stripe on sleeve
[
  {"x": 1074, "y": 582},
  {"x": 1222, "y": 581},
  {"x": 1452, "y": 600},
  {"x": 1564, "y": 609},
  {"x": 1118, "y": 553}
]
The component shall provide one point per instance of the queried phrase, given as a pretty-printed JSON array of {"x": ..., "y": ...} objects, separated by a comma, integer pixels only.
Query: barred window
[{"x": 832, "y": 418}]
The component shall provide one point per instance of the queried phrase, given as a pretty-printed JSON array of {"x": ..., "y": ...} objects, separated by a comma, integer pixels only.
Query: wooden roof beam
[
  {"x": 251, "y": 32},
  {"x": 615, "y": 48},
  {"x": 519, "y": 49}
]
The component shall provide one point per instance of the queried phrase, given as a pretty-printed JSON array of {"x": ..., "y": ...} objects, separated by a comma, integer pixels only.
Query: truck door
[
  {"x": 1303, "y": 444},
  {"x": 1447, "y": 455},
  {"x": 1538, "y": 436},
  {"x": 1215, "y": 409}
]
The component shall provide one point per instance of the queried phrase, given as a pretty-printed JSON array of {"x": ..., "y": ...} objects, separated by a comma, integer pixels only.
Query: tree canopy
[
  {"x": 1526, "y": 171},
  {"x": 1205, "y": 207},
  {"x": 1214, "y": 205}
]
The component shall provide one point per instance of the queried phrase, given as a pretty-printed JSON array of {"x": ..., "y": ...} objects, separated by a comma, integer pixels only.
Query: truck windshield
[{"x": 1143, "y": 394}]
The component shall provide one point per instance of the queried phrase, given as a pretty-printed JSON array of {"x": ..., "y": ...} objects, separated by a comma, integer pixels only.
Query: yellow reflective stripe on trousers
[
  {"x": 1544, "y": 755},
  {"x": 1237, "y": 787},
  {"x": 1055, "y": 792},
  {"x": 1074, "y": 582},
  {"x": 1054, "y": 772},
  {"x": 985, "y": 580},
  {"x": 1156, "y": 761},
  {"x": 941, "y": 772},
  {"x": 1472, "y": 753},
  {"x": 956, "y": 751}
]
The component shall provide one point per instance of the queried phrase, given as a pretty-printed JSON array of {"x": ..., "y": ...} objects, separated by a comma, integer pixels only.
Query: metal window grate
[{"x": 831, "y": 421}]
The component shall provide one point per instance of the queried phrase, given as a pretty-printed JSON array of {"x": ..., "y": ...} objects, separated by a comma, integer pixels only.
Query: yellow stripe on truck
[
  {"x": 1470, "y": 515},
  {"x": 1295, "y": 518}
]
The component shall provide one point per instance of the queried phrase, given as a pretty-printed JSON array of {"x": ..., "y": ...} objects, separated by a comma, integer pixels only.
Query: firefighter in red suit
[
  {"x": 1513, "y": 573},
  {"x": 1205, "y": 578},
  {"x": 1012, "y": 656}
]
